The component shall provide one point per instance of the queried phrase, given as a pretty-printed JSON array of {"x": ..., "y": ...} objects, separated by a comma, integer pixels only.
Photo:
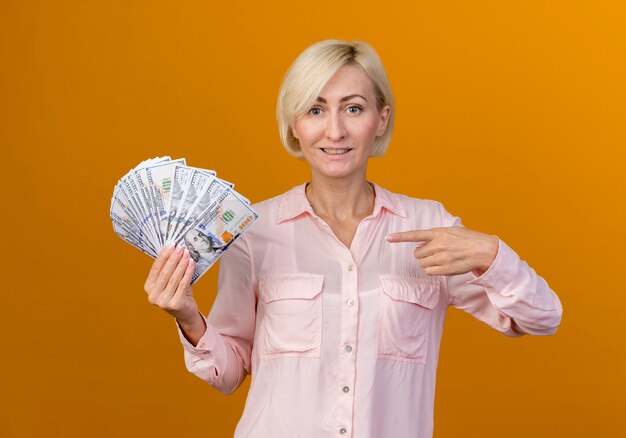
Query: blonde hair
[{"x": 312, "y": 69}]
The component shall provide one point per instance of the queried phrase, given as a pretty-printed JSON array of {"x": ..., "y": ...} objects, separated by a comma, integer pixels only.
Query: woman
[{"x": 335, "y": 300}]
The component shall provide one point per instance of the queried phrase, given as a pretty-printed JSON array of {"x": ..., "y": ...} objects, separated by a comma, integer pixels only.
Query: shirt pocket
[
  {"x": 292, "y": 323},
  {"x": 405, "y": 311}
]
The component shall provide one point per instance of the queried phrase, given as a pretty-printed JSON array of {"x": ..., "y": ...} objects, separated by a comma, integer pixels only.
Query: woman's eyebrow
[{"x": 343, "y": 99}]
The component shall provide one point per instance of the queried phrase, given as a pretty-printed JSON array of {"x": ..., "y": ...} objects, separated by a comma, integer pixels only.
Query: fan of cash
[{"x": 163, "y": 200}]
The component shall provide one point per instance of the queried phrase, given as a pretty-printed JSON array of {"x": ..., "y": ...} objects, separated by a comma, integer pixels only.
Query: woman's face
[
  {"x": 338, "y": 132},
  {"x": 198, "y": 240}
]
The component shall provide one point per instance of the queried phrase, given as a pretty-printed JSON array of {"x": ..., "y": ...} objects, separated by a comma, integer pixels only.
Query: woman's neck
[{"x": 341, "y": 199}]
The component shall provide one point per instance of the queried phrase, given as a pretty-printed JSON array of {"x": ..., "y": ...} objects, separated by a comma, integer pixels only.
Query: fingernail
[
  {"x": 389, "y": 237},
  {"x": 170, "y": 245}
]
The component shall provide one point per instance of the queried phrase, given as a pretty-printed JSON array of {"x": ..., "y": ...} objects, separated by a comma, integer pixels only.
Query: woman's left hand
[{"x": 451, "y": 250}]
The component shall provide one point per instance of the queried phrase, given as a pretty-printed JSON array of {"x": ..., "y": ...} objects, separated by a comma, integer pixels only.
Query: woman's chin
[
  {"x": 338, "y": 169},
  {"x": 340, "y": 174}
]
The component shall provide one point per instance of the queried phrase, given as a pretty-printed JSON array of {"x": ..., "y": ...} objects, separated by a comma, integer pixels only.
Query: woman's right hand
[{"x": 169, "y": 284}]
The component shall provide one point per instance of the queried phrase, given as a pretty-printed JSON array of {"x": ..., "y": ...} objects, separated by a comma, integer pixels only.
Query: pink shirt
[{"x": 344, "y": 341}]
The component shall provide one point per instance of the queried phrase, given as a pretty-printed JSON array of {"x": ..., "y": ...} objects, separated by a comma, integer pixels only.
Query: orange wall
[{"x": 512, "y": 114}]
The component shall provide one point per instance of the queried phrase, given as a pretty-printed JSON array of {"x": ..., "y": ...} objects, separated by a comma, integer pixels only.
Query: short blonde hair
[{"x": 308, "y": 74}]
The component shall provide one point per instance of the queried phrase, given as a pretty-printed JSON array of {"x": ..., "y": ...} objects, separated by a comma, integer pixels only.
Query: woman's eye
[
  {"x": 354, "y": 109},
  {"x": 315, "y": 111}
]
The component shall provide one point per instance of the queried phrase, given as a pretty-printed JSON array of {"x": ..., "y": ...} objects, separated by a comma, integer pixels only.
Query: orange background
[{"x": 511, "y": 114}]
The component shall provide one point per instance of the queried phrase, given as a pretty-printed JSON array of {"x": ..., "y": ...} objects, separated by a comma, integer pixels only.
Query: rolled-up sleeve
[
  {"x": 509, "y": 296},
  {"x": 222, "y": 357}
]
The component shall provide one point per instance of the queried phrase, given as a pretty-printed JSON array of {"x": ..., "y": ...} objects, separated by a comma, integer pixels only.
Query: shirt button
[
  {"x": 351, "y": 268},
  {"x": 343, "y": 431},
  {"x": 346, "y": 389},
  {"x": 350, "y": 303},
  {"x": 348, "y": 348}
]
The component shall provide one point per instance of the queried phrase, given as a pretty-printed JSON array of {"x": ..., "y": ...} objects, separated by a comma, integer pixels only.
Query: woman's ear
[{"x": 385, "y": 112}]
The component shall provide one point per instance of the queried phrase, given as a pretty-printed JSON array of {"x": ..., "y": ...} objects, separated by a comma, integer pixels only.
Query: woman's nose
[{"x": 335, "y": 127}]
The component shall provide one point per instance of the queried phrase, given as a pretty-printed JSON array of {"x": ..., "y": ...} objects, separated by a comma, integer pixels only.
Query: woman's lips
[{"x": 335, "y": 151}]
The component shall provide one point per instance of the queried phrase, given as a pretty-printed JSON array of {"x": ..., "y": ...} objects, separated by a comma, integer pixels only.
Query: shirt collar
[{"x": 294, "y": 203}]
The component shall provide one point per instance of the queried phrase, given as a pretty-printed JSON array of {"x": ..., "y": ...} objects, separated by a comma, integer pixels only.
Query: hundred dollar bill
[
  {"x": 138, "y": 189},
  {"x": 160, "y": 180},
  {"x": 194, "y": 196},
  {"x": 122, "y": 230},
  {"x": 123, "y": 216},
  {"x": 199, "y": 181},
  {"x": 210, "y": 192},
  {"x": 180, "y": 184},
  {"x": 147, "y": 197},
  {"x": 128, "y": 189},
  {"x": 121, "y": 194},
  {"x": 216, "y": 230}
]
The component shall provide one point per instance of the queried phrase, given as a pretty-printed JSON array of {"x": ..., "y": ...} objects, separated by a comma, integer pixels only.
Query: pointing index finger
[{"x": 411, "y": 236}]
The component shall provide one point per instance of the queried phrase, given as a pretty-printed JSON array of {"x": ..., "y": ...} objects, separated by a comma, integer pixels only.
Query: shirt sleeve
[
  {"x": 509, "y": 296},
  {"x": 222, "y": 357}
]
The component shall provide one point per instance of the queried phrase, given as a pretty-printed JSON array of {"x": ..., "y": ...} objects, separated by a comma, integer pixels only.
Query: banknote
[
  {"x": 218, "y": 227},
  {"x": 162, "y": 200},
  {"x": 211, "y": 193},
  {"x": 160, "y": 180},
  {"x": 124, "y": 219},
  {"x": 181, "y": 180}
]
